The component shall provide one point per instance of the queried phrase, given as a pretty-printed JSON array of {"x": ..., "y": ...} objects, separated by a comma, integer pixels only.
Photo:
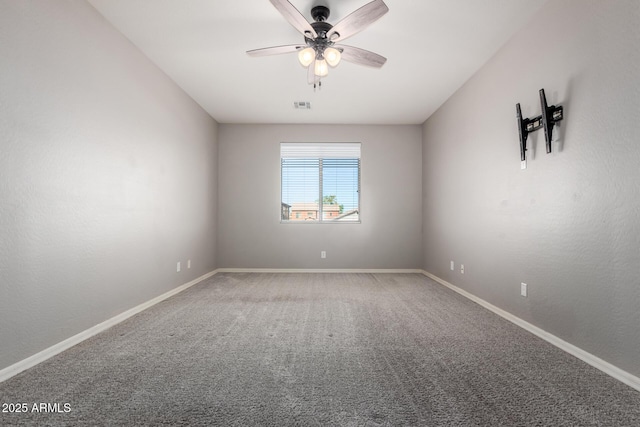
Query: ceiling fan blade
[
  {"x": 358, "y": 20},
  {"x": 275, "y": 50},
  {"x": 294, "y": 17},
  {"x": 361, "y": 56}
]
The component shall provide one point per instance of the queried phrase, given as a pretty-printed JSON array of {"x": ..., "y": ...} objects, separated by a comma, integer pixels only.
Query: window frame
[{"x": 320, "y": 211}]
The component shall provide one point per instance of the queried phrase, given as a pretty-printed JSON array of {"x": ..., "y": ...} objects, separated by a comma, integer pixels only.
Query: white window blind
[{"x": 320, "y": 182}]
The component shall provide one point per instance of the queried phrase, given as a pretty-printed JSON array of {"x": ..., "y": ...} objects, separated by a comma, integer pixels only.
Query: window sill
[{"x": 319, "y": 222}]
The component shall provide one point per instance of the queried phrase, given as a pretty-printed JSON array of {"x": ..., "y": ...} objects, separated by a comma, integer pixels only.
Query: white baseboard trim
[
  {"x": 318, "y": 270},
  {"x": 596, "y": 362},
  {"x": 47, "y": 353}
]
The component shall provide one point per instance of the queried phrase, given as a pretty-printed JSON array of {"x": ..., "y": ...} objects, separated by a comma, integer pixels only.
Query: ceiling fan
[{"x": 320, "y": 49}]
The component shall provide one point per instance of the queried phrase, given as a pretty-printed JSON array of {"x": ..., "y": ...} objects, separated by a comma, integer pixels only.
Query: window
[{"x": 321, "y": 181}]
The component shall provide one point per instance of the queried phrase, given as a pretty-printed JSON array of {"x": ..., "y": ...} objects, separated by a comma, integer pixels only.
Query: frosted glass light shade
[
  {"x": 332, "y": 56},
  {"x": 321, "y": 68},
  {"x": 306, "y": 56}
]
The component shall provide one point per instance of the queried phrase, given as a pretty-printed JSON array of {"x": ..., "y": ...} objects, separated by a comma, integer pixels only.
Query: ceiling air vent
[{"x": 302, "y": 105}]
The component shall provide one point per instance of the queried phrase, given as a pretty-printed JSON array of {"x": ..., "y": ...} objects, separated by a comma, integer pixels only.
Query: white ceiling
[{"x": 432, "y": 48}]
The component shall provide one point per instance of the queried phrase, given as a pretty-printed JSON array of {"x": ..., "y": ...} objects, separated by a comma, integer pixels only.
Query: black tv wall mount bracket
[{"x": 550, "y": 115}]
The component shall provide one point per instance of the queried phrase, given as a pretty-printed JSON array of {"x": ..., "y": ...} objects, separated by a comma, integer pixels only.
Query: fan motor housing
[{"x": 321, "y": 28}]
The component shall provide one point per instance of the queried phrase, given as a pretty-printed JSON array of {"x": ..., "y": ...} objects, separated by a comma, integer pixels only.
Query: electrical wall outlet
[
  {"x": 178, "y": 267},
  {"x": 323, "y": 254},
  {"x": 453, "y": 266},
  {"x": 462, "y": 268},
  {"x": 523, "y": 289}
]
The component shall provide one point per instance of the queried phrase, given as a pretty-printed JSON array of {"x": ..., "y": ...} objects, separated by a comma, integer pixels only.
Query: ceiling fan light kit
[
  {"x": 306, "y": 56},
  {"x": 321, "y": 68},
  {"x": 320, "y": 50},
  {"x": 332, "y": 56}
]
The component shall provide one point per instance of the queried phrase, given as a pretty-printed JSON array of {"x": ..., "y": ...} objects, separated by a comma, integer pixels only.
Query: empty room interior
[{"x": 219, "y": 213}]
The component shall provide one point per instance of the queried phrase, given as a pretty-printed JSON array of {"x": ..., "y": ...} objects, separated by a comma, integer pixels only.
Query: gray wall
[
  {"x": 108, "y": 176},
  {"x": 250, "y": 234},
  {"x": 568, "y": 225}
]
